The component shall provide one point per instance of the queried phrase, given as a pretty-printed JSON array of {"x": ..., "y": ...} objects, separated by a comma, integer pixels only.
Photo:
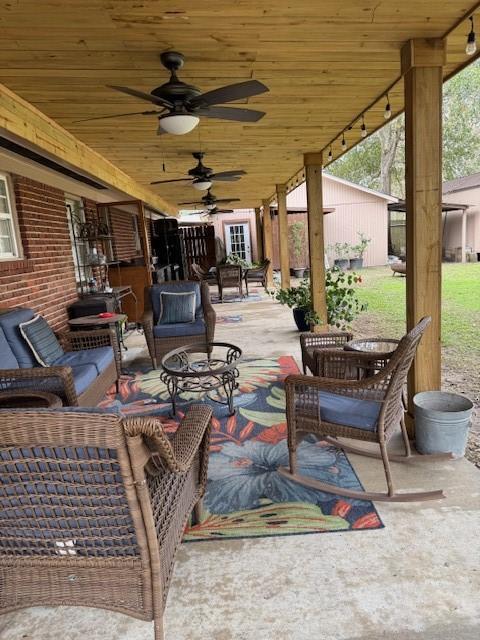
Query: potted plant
[
  {"x": 343, "y": 305},
  {"x": 342, "y": 251},
  {"x": 297, "y": 239},
  {"x": 358, "y": 251}
]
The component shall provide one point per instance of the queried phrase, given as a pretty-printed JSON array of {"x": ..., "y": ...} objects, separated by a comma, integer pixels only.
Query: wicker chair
[
  {"x": 229, "y": 276},
  {"x": 201, "y": 274},
  {"x": 60, "y": 379},
  {"x": 257, "y": 274},
  {"x": 312, "y": 344},
  {"x": 203, "y": 330},
  {"x": 94, "y": 507},
  {"x": 370, "y": 409}
]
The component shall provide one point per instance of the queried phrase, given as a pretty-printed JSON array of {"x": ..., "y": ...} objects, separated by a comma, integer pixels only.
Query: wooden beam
[
  {"x": 316, "y": 239},
  {"x": 268, "y": 241},
  {"x": 258, "y": 228},
  {"x": 423, "y": 181},
  {"x": 283, "y": 243},
  {"x": 24, "y": 121},
  {"x": 464, "y": 235}
]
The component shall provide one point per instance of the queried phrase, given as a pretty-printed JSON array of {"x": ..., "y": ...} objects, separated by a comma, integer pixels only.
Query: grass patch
[{"x": 385, "y": 296}]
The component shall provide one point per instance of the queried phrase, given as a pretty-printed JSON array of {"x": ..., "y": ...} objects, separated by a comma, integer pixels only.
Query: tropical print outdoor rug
[{"x": 246, "y": 496}]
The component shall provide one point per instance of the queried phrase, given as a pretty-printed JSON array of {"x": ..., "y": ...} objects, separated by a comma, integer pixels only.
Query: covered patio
[
  {"x": 415, "y": 578},
  {"x": 335, "y": 74}
]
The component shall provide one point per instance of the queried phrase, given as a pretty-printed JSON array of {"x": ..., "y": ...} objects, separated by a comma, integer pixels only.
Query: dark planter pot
[
  {"x": 299, "y": 317},
  {"x": 299, "y": 273},
  {"x": 356, "y": 263},
  {"x": 342, "y": 264}
]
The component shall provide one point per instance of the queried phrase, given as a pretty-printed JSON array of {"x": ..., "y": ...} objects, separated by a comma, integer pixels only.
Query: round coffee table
[
  {"x": 202, "y": 368},
  {"x": 385, "y": 346},
  {"x": 24, "y": 398}
]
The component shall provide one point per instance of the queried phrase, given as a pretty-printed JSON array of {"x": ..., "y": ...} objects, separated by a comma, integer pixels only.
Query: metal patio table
[{"x": 202, "y": 368}]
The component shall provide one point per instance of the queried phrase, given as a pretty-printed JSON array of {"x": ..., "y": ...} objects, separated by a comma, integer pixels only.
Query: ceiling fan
[
  {"x": 210, "y": 202},
  {"x": 181, "y": 105},
  {"x": 202, "y": 177}
]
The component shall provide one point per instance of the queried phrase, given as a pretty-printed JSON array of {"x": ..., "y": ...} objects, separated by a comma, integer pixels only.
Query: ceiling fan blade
[
  {"x": 231, "y": 113},
  {"x": 229, "y": 93},
  {"x": 227, "y": 200},
  {"x": 194, "y": 202},
  {"x": 176, "y": 180},
  {"x": 228, "y": 174},
  {"x": 161, "y": 102},
  {"x": 222, "y": 211},
  {"x": 224, "y": 178},
  {"x": 120, "y": 115}
]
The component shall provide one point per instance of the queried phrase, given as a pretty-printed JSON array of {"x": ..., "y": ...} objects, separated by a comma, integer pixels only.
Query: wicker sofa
[
  {"x": 94, "y": 507},
  {"x": 80, "y": 377},
  {"x": 163, "y": 338}
]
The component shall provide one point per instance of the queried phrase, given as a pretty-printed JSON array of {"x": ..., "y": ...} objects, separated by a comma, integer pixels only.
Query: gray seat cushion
[
  {"x": 180, "y": 329},
  {"x": 9, "y": 323},
  {"x": 100, "y": 358},
  {"x": 83, "y": 376},
  {"x": 349, "y": 412},
  {"x": 7, "y": 357}
]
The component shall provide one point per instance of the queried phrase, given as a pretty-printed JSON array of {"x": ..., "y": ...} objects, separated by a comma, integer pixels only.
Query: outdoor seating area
[
  {"x": 238, "y": 394},
  {"x": 139, "y": 421}
]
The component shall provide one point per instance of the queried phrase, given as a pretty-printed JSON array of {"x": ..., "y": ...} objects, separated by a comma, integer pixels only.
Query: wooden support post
[
  {"x": 464, "y": 235},
  {"x": 268, "y": 241},
  {"x": 283, "y": 243},
  {"x": 316, "y": 239},
  {"x": 259, "y": 232},
  {"x": 422, "y": 61}
]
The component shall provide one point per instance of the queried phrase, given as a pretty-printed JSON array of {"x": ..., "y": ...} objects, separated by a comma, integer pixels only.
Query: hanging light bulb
[
  {"x": 387, "y": 114},
  {"x": 363, "y": 128},
  {"x": 471, "y": 47},
  {"x": 344, "y": 142},
  {"x": 330, "y": 155}
]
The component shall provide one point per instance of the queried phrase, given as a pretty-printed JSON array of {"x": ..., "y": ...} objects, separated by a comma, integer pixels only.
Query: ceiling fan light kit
[
  {"x": 201, "y": 185},
  {"x": 178, "y": 123}
]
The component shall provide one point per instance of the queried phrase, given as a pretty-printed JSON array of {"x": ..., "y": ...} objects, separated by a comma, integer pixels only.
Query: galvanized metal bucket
[{"x": 442, "y": 421}]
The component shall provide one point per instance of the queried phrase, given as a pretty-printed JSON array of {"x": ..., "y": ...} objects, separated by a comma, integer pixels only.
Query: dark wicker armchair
[
  {"x": 94, "y": 507},
  {"x": 229, "y": 276},
  {"x": 370, "y": 409},
  {"x": 162, "y": 339},
  {"x": 201, "y": 274},
  {"x": 257, "y": 274},
  {"x": 312, "y": 345}
]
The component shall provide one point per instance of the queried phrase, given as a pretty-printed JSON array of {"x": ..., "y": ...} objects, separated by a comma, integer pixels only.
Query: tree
[{"x": 379, "y": 161}]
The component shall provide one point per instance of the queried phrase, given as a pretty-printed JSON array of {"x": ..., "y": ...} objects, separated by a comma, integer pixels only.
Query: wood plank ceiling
[{"x": 324, "y": 63}]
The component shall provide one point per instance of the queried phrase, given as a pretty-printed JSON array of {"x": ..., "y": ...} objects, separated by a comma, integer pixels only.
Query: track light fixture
[
  {"x": 471, "y": 47},
  {"x": 330, "y": 155},
  {"x": 363, "y": 128},
  {"x": 344, "y": 142},
  {"x": 387, "y": 114}
]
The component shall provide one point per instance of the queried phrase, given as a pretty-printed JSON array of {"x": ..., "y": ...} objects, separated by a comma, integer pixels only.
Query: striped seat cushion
[{"x": 42, "y": 341}]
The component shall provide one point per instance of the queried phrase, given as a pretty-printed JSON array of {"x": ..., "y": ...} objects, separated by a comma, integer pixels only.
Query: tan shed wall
[
  {"x": 238, "y": 216},
  {"x": 453, "y": 226}
]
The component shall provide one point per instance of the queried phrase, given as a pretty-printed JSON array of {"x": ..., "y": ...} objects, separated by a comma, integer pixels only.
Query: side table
[
  {"x": 24, "y": 398},
  {"x": 94, "y": 322}
]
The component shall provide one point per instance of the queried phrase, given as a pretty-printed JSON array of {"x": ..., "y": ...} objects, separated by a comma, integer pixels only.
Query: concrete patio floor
[{"x": 419, "y": 577}]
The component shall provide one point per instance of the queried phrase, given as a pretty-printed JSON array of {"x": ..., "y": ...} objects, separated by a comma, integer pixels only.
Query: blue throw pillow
[
  {"x": 41, "y": 340},
  {"x": 177, "y": 307}
]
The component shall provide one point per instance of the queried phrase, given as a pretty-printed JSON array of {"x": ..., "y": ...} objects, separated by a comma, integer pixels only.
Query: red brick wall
[{"x": 45, "y": 280}]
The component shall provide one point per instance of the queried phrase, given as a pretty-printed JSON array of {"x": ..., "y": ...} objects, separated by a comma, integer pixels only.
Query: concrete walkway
[{"x": 419, "y": 578}]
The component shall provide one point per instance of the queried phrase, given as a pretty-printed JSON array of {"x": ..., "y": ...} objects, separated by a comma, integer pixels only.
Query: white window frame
[
  {"x": 83, "y": 246},
  {"x": 12, "y": 216}
]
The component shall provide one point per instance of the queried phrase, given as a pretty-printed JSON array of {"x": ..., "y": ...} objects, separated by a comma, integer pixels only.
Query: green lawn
[{"x": 385, "y": 296}]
